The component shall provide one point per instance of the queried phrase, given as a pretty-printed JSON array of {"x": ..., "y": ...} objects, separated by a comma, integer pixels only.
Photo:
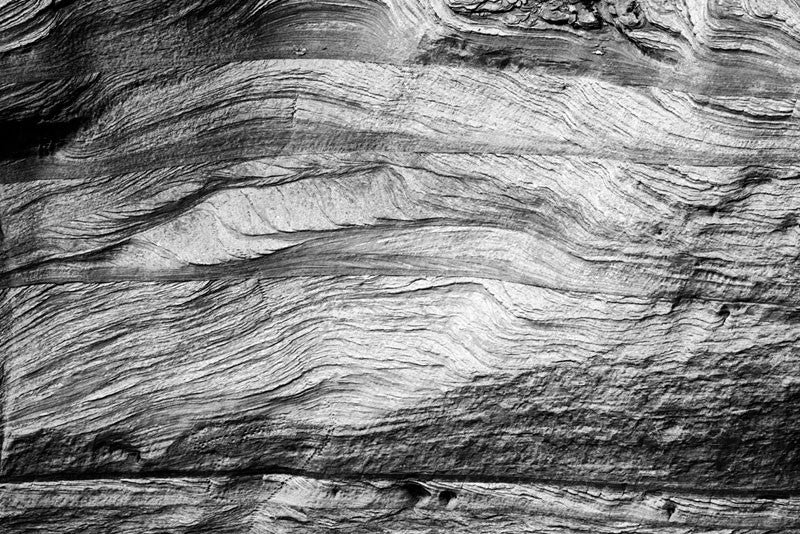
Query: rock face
[{"x": 400, "y": 266}]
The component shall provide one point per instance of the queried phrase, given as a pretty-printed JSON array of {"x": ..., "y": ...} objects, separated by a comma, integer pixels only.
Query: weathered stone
[{"x": 399, "y": 266}]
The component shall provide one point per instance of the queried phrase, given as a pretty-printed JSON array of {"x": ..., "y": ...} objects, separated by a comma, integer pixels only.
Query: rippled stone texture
[{"x": 400, "y": 266}]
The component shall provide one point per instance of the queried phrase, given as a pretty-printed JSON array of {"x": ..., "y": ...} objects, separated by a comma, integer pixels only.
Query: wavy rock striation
[
  {"x": 400, "y": 266},
  {"x": 298, "y": 504}
]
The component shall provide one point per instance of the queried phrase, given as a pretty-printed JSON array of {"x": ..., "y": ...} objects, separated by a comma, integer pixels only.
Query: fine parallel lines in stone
[
  {"x": 578, "y": 224},
  {"x": 267, "y": 108},
  {"x": 360, "y": 375},
  {"x": 91, "y": 36},
  {"x": 695, "y": 46},
  {"x": 295, "y": 503},
  {"x": 381, "y": 265}
]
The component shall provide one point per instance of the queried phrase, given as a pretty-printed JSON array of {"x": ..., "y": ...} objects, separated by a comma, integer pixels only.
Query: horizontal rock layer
[
  {"x": 378, "y": 375},
  {"x": 577, "y": 224},
  {"x": 702, "y": 45},
  {"x": 297, "y": 504}
]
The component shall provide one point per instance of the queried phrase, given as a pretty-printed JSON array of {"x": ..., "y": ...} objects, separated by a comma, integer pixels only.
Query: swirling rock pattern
[{"x": 400, "y": 266}]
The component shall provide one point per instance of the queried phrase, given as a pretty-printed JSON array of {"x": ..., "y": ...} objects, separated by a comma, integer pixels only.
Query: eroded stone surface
[{"x": 445, "y": 265}]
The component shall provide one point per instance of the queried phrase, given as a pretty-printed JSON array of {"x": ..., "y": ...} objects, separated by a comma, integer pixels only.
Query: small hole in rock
[
  {"x": 669, "y": 508},
  {"x": 445, "y": 496},
  {"x": 788, "y": 222},
  {"x": 677, "y": 302},
  {"x": 503, "y": 63},
  {"x": 724, "y": 312},
  {"x": 416, "y": 491}
]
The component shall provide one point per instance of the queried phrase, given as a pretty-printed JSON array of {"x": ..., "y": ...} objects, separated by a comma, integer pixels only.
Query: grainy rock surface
[{"x": 400, "y": 266}]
